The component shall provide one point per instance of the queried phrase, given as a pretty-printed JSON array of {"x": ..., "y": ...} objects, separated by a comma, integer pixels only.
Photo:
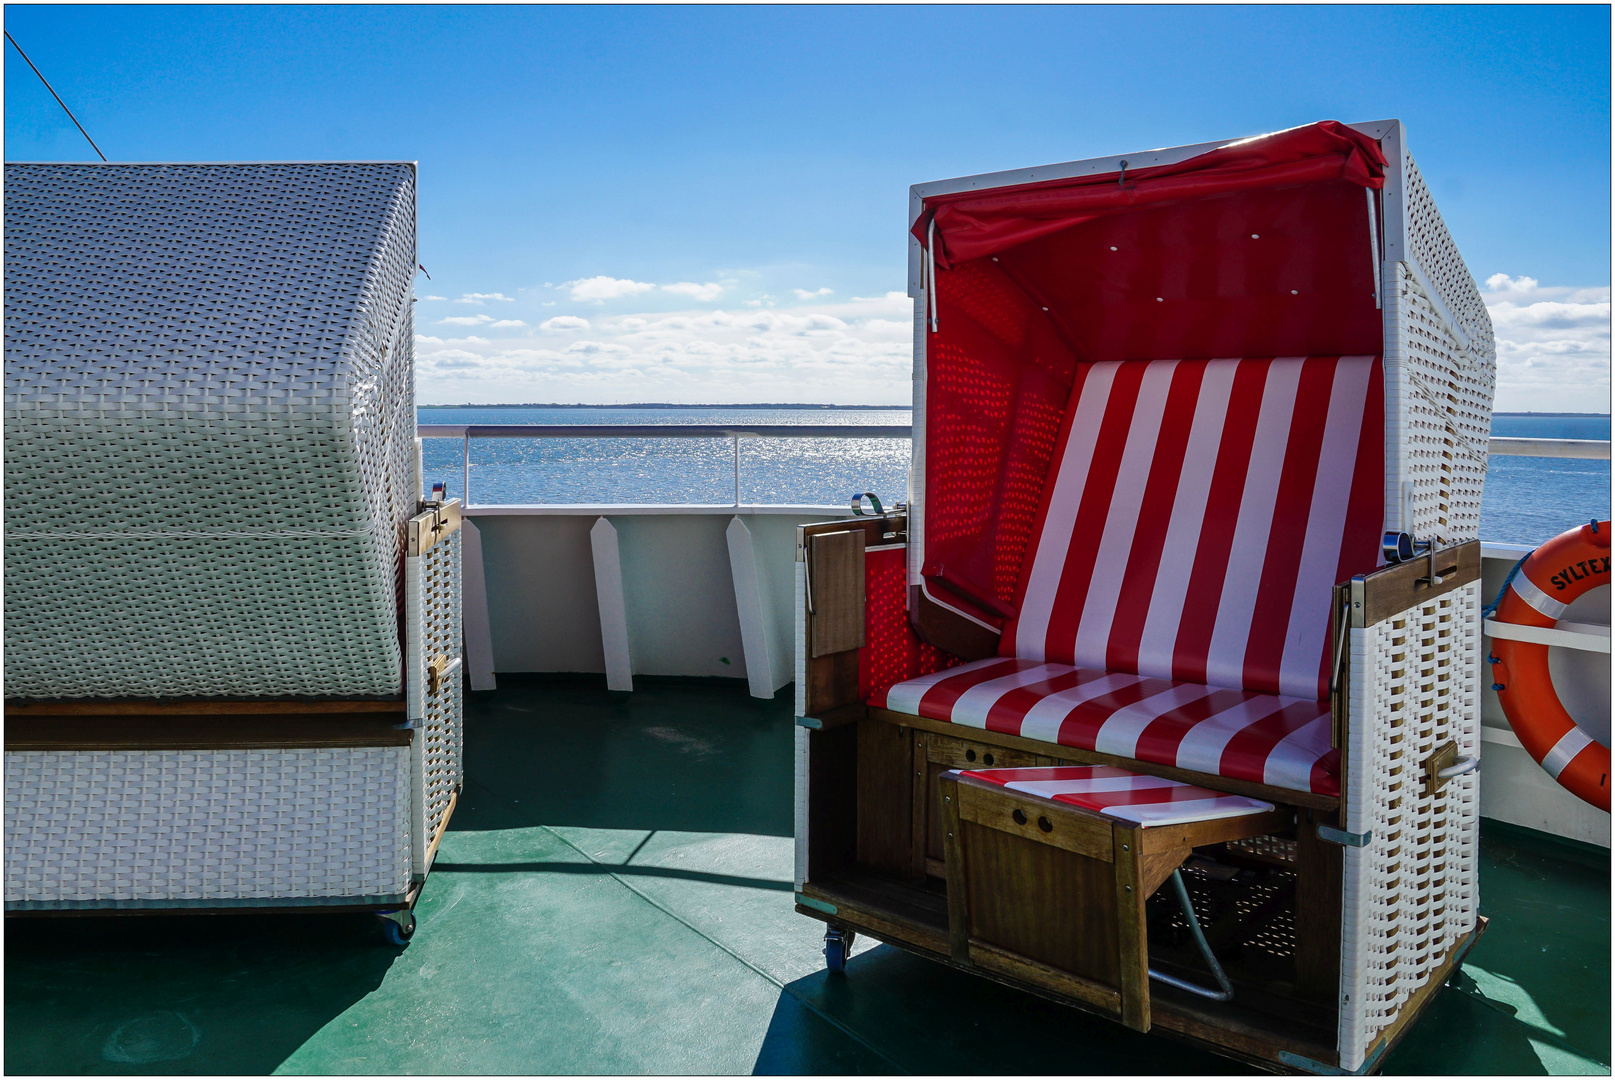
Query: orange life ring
[{"x": 1539, "y": 590}]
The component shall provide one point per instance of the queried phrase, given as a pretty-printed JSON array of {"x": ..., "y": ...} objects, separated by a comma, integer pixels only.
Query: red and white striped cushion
[
  {"x": 1197, "y": 515},
  {"x": 1123, "y": 795},
  {"x": 1263, "y": 738}
]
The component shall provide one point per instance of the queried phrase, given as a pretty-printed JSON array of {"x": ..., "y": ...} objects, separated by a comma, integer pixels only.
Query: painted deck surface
[{"x": 615, "y": 897}]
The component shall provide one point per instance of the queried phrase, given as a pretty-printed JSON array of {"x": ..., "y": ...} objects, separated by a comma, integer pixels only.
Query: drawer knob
[{"x": 1019, "y": 816}]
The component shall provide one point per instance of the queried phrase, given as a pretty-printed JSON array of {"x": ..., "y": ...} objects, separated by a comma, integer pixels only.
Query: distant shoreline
[
  {"x": 1568, "y": 415},
  {"x": 664, "y": 405}
]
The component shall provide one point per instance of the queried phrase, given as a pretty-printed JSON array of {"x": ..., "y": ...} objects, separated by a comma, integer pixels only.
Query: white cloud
[
  {"x": 602, "y": 288},
  {"x": 705, "y": 293},
  {"x": 507, "y": 322},
  {"x": 483, "y": 297},
  {"x": 806, "y": 294},
  {"x": 836, "y": 352},
  {"x": 431, "y": 298},
  {"x": 466, "y": 320},
  {"x": 563, "y": 323},
  {"x": 1553, "y": 345}
]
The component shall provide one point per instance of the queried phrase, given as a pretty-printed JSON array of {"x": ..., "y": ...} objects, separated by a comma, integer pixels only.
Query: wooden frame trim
[
  {"x": 1393, "y": 589},
  {"x": 885, "y": 925},
  {"x": 196, "y": 732},
  {"x": 202, "y": 707},
  {"x": 1182, "y": 1022},
  {"x": 986, "y": 956},
  {"x": 1264, "y": 792}
]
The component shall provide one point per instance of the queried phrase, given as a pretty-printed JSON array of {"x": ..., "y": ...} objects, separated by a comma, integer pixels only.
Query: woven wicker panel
[
  {"x": 442, "y": 728},
  {"x": 151, "y": 825},
  {"x": 1411, "y": 892},
  {"x": 208, "y": 410},
  {"x": 1446, "y": 384}
]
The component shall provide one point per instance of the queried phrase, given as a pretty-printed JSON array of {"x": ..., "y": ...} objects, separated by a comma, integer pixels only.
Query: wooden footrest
[{"x": 1049, "y": 869}]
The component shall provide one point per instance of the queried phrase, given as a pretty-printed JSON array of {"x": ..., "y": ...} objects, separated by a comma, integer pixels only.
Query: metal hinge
[{"x": 1344, "y": 838}]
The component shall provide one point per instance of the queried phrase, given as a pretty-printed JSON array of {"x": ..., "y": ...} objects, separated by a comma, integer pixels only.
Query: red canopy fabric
[{"x": 974, "y": 224}]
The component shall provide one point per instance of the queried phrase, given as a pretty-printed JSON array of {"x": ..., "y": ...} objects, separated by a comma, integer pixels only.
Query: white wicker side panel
[
  {"x": 443, "y": 731},
  {"x": 93, "y": 826},
  {"x": 1447, "y": 374},
  {"x": 1411, "y": 892},
  {"x": 432, "y": 635}
]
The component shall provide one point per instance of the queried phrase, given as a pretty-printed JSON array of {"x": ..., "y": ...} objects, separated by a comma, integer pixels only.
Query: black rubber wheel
[
  {"x": 398, "y": 930},
  {"x": 837, "y": 948}
]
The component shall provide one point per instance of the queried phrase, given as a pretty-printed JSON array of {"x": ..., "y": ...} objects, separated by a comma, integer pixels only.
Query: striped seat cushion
[
  {"x": 1198, "y": 514},
  {"x": 1122, "y": 794},
  {"x": 1240, "y": 734}
]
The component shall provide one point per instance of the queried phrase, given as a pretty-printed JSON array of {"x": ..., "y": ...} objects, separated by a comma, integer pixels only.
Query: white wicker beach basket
[
  {"x": 210, "y": 475},
  {"x": 208, "y": 428}
]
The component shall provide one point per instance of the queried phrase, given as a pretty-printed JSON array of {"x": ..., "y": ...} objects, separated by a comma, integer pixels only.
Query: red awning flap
[{"x": 973, "y": 224}]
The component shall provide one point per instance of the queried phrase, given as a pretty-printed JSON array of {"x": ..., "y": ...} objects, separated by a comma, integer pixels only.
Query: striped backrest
[{"x": 1197, "y": 515}]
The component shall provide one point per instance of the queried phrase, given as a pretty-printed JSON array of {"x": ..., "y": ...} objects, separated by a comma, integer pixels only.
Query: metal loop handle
[
  {"x": 1465, "y": 765},
  {"x": 874, "y": 501}
]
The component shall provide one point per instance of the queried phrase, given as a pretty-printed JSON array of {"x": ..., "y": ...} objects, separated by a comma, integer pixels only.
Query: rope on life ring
[{"x": 1537, "y": 592}]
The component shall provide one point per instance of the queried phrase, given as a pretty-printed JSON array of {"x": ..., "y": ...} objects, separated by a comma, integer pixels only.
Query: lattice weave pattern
[
  {"x": 1447, "y": 385},
  {"x": 1411, "y": 893},
  {"x": 91, "y": 825},
  {"x": 209, "y": 428},
  {"x": 442, "y": 727}
]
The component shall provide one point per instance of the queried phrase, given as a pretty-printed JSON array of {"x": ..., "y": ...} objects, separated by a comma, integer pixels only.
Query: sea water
[{"x": 1527, "y": 500}]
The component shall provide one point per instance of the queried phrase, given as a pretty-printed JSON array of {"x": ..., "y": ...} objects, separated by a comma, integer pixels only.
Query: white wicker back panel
[
  {"x": 442, "y": 727},
  {"x": 1411, "y": 892},
  {"x": 1448, "y": 368},
  {"x": 162, "y": 825},
  {"x": 212, "y": 364}
]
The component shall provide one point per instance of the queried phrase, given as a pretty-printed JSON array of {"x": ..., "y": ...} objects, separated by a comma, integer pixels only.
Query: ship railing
[
  {"x": 1589, "y": 449},
  {"x": 734, "y": 433}
]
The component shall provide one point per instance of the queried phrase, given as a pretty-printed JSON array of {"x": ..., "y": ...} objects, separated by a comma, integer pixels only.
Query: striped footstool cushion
[
  {"x": 1239, "y": 734},
  {"x": 1122, "y": 794}
]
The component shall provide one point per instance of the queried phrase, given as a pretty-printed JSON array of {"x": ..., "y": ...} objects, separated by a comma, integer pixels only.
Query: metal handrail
[
  {"x": 1587, "y": 449},
  {"x": 734, "y": 433},
  {"x": 664, "y": 431},
  {"x": 1591, "y": 449}
]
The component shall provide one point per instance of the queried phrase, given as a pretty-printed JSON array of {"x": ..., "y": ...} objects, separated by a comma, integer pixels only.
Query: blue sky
[{"x": 707, "y": 204}]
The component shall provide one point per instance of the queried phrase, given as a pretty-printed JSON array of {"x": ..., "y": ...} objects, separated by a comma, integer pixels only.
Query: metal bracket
[
  {"x": 438, "y": 671},
  {"x": 433, "y": 523},
  {"x": 816, "y": 905},
  {"x": 1445, "y": 764},
  {"x": 1344, "y": 838}
]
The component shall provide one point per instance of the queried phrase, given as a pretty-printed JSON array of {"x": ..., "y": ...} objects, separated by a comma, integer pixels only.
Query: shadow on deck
[{"x": 614, "y": 895}]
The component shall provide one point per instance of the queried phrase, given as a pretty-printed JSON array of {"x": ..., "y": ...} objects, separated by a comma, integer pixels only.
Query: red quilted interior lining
[{"x": 1269, "y": 272}]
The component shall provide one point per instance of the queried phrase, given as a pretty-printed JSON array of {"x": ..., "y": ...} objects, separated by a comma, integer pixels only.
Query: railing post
[
  {"x": 465, "y": 464},
  {"x": 736, "y": 440}
]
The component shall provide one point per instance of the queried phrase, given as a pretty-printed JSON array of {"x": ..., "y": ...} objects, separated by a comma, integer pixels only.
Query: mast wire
[{"x": 57, "y": 96}]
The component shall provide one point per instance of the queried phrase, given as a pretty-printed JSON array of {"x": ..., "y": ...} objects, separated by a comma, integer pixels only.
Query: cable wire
[{"x": 57, "y": 96}]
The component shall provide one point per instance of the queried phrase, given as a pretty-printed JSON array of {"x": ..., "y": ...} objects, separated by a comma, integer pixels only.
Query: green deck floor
[{"x": 614, "y": 896}]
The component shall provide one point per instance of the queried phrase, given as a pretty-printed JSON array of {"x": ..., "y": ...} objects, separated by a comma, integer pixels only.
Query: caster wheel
[
  {"x": 837, "y": 948},
  {"x": 398, "y": 927}
]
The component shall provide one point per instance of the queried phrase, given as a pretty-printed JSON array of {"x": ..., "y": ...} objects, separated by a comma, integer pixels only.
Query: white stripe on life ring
[
  {"x": 1565, "y": 750},
  {"x": 1541, "y": 601}
]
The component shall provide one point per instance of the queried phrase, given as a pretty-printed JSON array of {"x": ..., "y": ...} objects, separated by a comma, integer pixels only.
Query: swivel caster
[
  {"x": 837, "y": 947},
  {"x": 398, "y": 926}
]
